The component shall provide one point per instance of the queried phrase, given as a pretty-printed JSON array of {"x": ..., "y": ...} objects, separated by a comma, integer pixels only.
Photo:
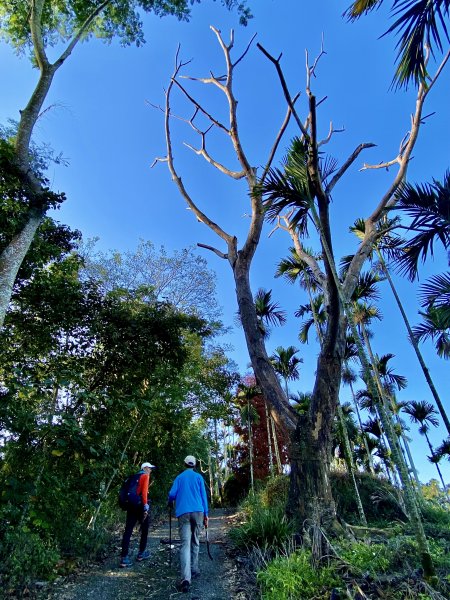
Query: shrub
[
  {"x": 276, "y": 491},
  {"x": 293, "y": 578},
  {"x": 25, "y": 557},
  {"x": 379, "y": 498}
]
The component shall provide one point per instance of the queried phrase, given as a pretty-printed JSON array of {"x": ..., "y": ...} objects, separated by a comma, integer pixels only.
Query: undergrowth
[{"x": 380, "y": 565}]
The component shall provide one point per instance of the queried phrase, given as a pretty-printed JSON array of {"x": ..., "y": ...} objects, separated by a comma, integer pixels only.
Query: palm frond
[
  {"x": 294, "y": 268},
  {"x": 366, "y": 287},
  {"x": 267, "y": 310},
  {"x": 428, "y": 205},
  {"x": 435, "y": 326},
  {"x": 422, "y": 412},
  {"x": 361, "y": 7},
  {"x": 344, "y": 265},
  {"x": 328, "y": 166},
  {"x": 435, "y": 293},
  {"x": 289, "y": 188},
  {"x": 303, "y": 334},
  {"x": 420, "y": 21}
]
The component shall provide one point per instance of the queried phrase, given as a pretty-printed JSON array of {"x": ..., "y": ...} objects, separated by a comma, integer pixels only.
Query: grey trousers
[{"x": 189, "y": 529}]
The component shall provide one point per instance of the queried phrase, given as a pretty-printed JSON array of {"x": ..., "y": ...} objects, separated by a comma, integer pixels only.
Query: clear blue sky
[{"x": 103, "y": 124}]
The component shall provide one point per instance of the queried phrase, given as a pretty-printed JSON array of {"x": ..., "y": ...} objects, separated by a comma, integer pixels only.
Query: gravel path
[{"x": 156, "y": 578}]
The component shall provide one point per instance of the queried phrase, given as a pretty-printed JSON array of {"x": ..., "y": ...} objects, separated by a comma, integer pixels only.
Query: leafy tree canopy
[{"x": 106, "y": 19}]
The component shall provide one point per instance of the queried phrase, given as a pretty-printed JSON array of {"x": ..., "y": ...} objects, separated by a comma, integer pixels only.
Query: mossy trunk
[{"x": 310, "y": 500}]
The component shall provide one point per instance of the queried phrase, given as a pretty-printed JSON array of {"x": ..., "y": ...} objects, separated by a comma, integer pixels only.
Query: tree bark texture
[
  {"x": 12, "y": 257},
  {"x": 310, "y": 489}
]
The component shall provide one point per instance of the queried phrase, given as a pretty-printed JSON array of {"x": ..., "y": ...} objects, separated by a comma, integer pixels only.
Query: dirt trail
[{"x": 155, "y": 579}]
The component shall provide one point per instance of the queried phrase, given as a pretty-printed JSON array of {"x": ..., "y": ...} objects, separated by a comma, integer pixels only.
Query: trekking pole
[
  {"x": 170, "y": 535},
  {"x": 207, "y": 542}
]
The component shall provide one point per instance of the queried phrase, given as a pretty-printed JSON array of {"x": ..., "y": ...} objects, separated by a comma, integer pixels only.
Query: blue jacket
[{"x": 188, "y": 491}]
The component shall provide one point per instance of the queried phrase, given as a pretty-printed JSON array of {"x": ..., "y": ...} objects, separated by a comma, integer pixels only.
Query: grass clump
[
  {"x": 371, "y": 559},
  {"x": 264, "y": 527},
  {"x": 293, "y": 577}
]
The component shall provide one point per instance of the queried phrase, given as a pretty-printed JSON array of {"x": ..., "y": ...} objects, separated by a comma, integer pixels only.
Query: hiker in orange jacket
[{"x": 138, "y": 513}]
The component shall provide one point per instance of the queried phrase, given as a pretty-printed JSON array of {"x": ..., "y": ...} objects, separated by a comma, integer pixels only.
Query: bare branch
[
  {"x": 276, "y": 62},
  {"x": 215, "y": 250},
  {"x": 245, "y": 51},
  {"x": 384, "y": 165},
  {"x": 389, "y": 199},
  {"x": 201, "y": 109},
  {"x": 225, "y": 170},
  {"x": 158, "y": 160},
  {"x": 207, "y": 80},
  {"x": 312, "y": 70},
  {"x": 170, "y": 161},
  {"x": 350, "y": 160},
  {"x": 278, "y": 139},
  {"x": 330, "y": 133}
]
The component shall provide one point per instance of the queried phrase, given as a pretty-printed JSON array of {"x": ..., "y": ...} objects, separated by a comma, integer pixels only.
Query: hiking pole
[
  {"x": 170, "y": 535},
  {"x": 207, "y": 542}
]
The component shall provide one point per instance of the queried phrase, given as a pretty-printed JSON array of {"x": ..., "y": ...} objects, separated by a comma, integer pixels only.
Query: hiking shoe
[
  {"x": 185, "y": 586},
  {"x": 125, "y": 562},
  {"x": 143, "y": 555}
]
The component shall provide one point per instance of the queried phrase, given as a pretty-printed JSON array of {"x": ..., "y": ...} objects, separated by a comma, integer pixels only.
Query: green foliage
[
  {"x": 93, "y": 384},
  {"x": 121, "y": 18},
  {"x": 25, "y": 557},
  {"x": 293, "y": 578},
  {"x": 378, "y": 496},
  {"x": 265, "y": 526},
  {"x": 366, "y": 557},
  {"x": 275, "y": 492}
]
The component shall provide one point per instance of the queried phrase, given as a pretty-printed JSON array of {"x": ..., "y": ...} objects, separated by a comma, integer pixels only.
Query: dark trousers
[{"x": 135, "y": 515}]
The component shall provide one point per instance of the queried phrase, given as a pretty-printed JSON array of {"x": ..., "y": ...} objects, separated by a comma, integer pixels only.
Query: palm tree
[
  {"x": 301, "y": 401},
  {"x": 349, "y": 377},
  {"x": 286, "y": 364},
  {"x": 318, "y": 317},
  {"x": 435, "y": 290},
  {"x": 428, "y": 205},
  {"x": 267, "y": 311},
  {"x": 424, "y": 413},
  {"x": 418, "y": 23},
  {"x": 435, "y": 326},
  {"x": 249, "y": 415}
]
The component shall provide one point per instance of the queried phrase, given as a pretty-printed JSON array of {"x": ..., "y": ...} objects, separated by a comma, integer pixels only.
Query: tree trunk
[
  {"x": 276, "y": 446},
  {"x": 415, "y": 345},
  {"x": 310, "y": 494},
  {"x": 218, "y": 469},
  {"x": 12, "y": 258},
  {"x": 350, "y": 465},
  {"x": 366, "y": 445},
  {"x": 269, "y": 439},
  {"x": 444, "y": 487}
]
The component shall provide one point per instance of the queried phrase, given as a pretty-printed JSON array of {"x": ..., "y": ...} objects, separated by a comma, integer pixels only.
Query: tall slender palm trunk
[{"x": 415, "y": 345}]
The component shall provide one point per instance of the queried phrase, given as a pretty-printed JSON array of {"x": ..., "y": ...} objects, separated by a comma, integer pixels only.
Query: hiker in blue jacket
[{"x": 189, "y": 494}]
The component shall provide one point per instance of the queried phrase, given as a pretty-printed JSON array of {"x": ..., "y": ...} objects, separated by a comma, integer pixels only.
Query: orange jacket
[{"x": 142, "y": 488}]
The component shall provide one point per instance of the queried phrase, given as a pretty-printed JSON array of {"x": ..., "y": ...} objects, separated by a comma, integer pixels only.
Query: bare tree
[
  {"x": 239, "y": 258},
  {"x": 310, "y": 491}
]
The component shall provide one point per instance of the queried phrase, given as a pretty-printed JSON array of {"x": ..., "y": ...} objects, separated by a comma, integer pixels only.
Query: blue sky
[{"x": 103, "y": 123}]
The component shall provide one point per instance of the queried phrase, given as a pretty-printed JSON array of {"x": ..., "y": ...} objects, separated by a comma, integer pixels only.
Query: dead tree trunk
[{"x": 310, "y": 492}]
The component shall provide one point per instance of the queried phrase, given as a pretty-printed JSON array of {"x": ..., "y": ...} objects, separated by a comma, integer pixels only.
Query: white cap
[
  {"x": 147, "y": 464},
  {"x": 190, "y": 461}
]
